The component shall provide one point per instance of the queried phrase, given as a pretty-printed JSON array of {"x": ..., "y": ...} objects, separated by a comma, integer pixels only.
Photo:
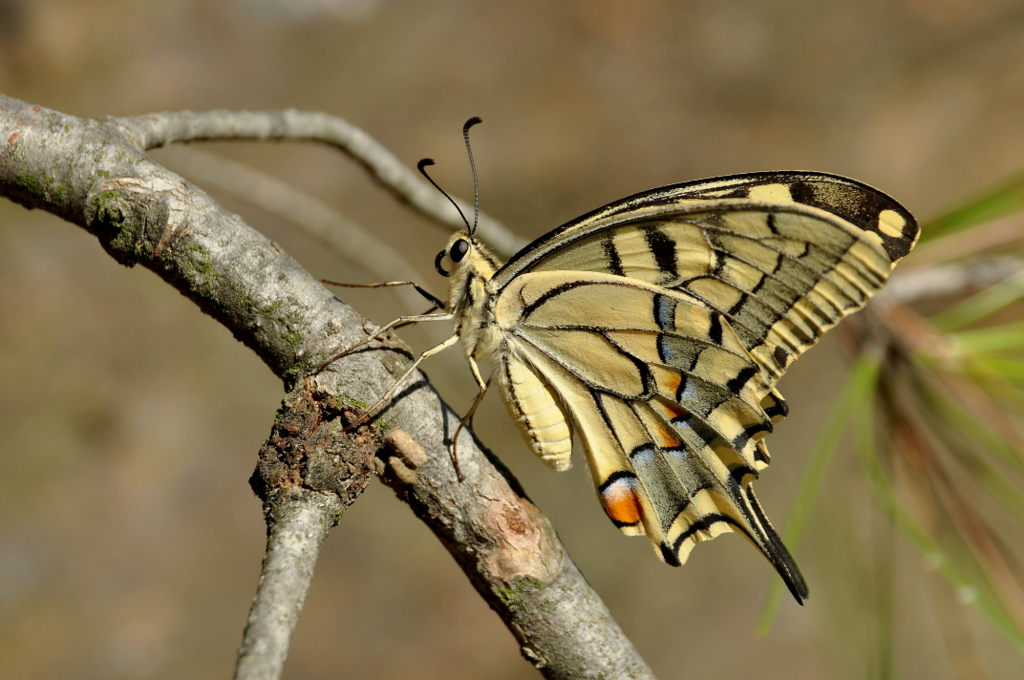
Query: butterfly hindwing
[
  {"x": 668, "y": 405},
  {"x": 639, "y": 344}
]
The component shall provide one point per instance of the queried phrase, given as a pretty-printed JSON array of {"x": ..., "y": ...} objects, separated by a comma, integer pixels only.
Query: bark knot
[
  {"x": 129, "y": 217},
  {"x": 525, "y": 545},
  {"x": 308, "y": 447}
]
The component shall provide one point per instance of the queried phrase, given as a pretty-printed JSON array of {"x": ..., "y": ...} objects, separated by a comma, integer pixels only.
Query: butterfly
[{"x": 653, "y": 331}]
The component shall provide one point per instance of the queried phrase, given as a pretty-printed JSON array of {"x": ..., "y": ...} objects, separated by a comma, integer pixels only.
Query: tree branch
[
  {"x": 296, "y": 529},
  {"x": 350, "y": 240},
  {"x": 160, "y": 129},
  {"x": 93, "y": 174},
  {"x": 307, "y": 475}
]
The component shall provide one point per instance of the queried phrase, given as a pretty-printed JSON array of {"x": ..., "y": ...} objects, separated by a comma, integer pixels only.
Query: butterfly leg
[
  {"x": 468, "y": 418},
  {"x": 381, "y": 331},
  {"x": 410, "y": 323},
  {"x": 389, "y": 284},
  {"x": 398, "y": 383}
]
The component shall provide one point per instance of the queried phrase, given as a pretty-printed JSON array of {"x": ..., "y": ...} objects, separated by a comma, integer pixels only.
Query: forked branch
[{"x": 95, "y": 173}]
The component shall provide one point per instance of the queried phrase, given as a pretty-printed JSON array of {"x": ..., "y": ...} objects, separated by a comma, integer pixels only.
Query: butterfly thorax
[{"x": 470, "y": 297}]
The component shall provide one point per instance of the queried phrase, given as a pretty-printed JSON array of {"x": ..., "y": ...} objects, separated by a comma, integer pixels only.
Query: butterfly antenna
[
  {"x": 472, "y": 164},
  {"x": 421, "y": 166}
]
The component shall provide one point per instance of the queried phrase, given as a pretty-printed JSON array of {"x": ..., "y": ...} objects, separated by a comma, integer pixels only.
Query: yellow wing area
[{"x": 669, "y": 406}]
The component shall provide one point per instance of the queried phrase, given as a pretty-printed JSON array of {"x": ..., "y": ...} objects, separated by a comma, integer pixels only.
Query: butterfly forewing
[{"x": 655, "y": 328}]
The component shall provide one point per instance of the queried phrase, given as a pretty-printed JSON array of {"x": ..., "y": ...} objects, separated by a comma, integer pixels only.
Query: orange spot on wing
[
  {"x": 671, "y": 383},
  {"x": 621, "y": 502},
  {"x": 669, "y": 440}
]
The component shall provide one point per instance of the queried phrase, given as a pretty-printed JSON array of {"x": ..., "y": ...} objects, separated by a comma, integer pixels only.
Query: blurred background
[{"x": 130, "y": 543}]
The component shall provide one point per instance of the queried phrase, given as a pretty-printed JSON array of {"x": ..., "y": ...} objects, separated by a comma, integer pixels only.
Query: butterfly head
[
  {"x": 472, "y": 264},
  {"x": 458, "y": 247},
  {"x": 465, "y": 255},
  {"x": 469, "y": 266}
]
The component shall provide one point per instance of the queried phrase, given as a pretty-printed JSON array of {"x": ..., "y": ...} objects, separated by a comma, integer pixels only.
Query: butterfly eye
[
  {"x": 437, "y": 264},
  {"x": 459, "y": 250}
]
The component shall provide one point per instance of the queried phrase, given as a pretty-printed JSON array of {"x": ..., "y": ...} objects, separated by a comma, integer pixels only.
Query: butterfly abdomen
[
  {"x": 532, "y": 402},
  {"x": 537, "y": 411}
]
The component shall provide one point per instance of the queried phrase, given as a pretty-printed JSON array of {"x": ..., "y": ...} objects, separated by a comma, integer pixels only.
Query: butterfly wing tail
[
  {"x": 687, "y": 499},
  {"x": 655, "y": 484},
  {"x": 682, "y": 508},
  {"x": 683, "y": 518},
  {"x": 775, "y": 550}
]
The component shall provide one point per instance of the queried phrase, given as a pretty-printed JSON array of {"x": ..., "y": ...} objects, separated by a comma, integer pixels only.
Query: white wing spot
[
  {"x": 689, "y": 392},
  {"x": 643, "y": 457},
  {"x": 679, "y": 454},
  {"x": 682, "y": 426},
  {"x": 891, "y": 223}
]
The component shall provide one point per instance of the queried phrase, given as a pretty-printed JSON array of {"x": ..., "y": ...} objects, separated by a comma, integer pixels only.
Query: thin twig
[
  {"x": 160, "y": 129},
  {"x": 295, "y": 533},
  {"x": 307, "y": 476},
  {"x": 949, "y": 280}
]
